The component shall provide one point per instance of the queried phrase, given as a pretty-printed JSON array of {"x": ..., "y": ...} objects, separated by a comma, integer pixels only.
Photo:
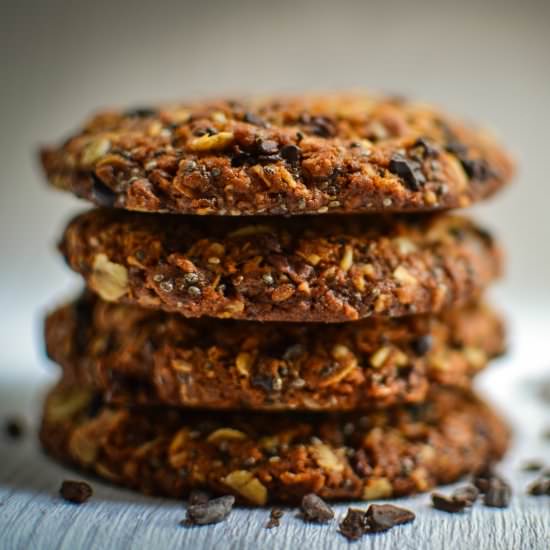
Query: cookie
[
  {"x": 133, "y": 354},
  {"x": 280, "y": 155},
  {"x": 322, "y": 268},
  {"x": 270, "y": 457}
]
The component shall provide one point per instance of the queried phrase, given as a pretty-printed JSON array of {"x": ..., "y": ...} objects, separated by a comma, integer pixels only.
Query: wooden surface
[{"x": 33, "y": 516}]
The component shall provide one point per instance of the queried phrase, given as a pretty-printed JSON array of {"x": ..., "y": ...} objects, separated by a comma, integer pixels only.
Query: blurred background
[{"x": 60, "y": 60}]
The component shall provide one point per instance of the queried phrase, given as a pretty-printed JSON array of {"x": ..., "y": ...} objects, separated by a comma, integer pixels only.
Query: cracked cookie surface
[
  {"x": 342, "y": 153},
  {"x": 320, "y": 268}
]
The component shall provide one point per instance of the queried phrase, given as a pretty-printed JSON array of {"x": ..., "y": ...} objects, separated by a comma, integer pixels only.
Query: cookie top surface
[
  {"x": 319, "y": 268},
  {"x": 311, "y": 154},
  {"x": 262, "y": 458},
  {"x": 133, "y": 354}
]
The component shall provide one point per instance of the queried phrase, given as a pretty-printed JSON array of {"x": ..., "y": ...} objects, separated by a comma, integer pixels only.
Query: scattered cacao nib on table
[
  {"x": 447, "y": 503},
  {"x": 467, "y": 494},
  {"x": 377, "y": 518},
  {"x": 315, "y": 509},
  {"x": 498, "y": 494},
  {"x": 382, "y": 517},
  {"x": 496, "y": 491},
  {"x": 533, "y": 465},
  {"x": 198, "y": 497},
  {"x": 539, "y": 487},
  {"x": 274, "y": 518},
  {"x": 353, "y": 526},
  {"x": 76, "y": 492},
  {"x": 482, "y": 479},
  {"x": 462, "y": 498},
  {"x": 14, "y": 428},
  {"x": 209, "y": 512}
]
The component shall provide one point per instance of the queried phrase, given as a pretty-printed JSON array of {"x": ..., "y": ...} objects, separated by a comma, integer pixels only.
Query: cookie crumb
[
  {"x": 14, "y": 428},
  {"x": 274, "y": 518},
  {"x": 315, "y": 509},
  {"x": 76, "y": 492},
  {"x": 207, "y": 513}
]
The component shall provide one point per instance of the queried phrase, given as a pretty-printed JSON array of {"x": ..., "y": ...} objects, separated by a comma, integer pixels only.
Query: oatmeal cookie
[
  {"x": 319, "y": 268},
  {"x": 270, "y": 457},
  {"x": 311, "y": 154},
  {"x": 137, "y": 355}
]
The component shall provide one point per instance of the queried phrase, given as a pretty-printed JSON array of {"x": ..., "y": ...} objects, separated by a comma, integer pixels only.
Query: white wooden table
[{"x": 32, "y": 516}]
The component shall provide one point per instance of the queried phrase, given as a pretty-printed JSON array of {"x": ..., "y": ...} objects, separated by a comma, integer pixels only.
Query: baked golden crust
[
  {"x": 262, "y": 458},
  {"x": 344, "y": 152},
  {"x": 136, "y": 355},
  {"x": 322, "y": 268}
]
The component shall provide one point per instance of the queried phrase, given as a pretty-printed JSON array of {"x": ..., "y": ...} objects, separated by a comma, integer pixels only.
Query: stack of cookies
[{"x": 277, "y": 302}]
